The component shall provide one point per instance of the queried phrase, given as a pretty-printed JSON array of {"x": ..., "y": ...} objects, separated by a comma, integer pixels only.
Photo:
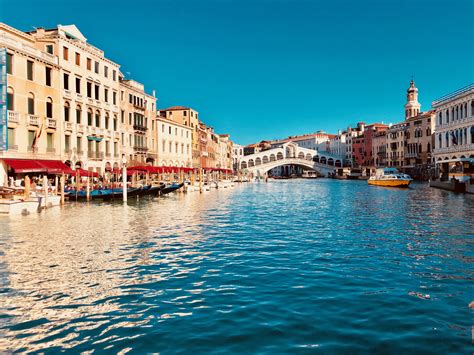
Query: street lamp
[{"x": 124, "y": 178}]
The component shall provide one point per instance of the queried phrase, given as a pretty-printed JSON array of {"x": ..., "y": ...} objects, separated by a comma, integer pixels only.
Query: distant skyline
[{"x": 269, "y": 69}]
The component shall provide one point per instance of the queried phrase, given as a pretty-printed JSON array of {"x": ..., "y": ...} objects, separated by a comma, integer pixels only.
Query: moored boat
[
  {"x": 389, "y": 177},
  {"x": 171, "y": 187}
]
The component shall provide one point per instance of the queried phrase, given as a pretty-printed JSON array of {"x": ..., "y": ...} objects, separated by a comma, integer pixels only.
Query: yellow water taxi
[{"x": 390, "y": 177}]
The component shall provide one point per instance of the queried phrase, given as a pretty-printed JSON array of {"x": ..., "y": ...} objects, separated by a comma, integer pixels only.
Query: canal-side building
[
  {"x": 187, "y": 117},
  {"x": 174, "y": 142},
  {"x": 352, "y": 133},
  {"x": 379, "y": 148},
  {"x": 137, "y": 119},
  {"x": 224, "y": 157},
  {"x": 369, "y": 159},
  {"x": 237, "y": 155},
  {"x": 396, "y": 144},
  {"x": 419, "y": 144},
  {"x": 454, "y": 122},
  {"x": 33, "y": 100},
  {"x": 89, "y": 87}
]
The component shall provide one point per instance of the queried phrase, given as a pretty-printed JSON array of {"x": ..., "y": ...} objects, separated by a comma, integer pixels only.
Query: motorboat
[{"x": 390, "y": 177}]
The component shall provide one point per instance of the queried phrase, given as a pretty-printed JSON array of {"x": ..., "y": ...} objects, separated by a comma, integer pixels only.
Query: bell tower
[{"x": 412, "y": 107}]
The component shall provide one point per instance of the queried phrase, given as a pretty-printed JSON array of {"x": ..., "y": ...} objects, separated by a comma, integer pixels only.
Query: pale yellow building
[
  {"x": 174, "y": 143},
  {"x": 137, "y": 117},
  {"x": 89, "y": 87},
  {"x": 33, "y": 99},
  {"x": 187, "y": 117}
]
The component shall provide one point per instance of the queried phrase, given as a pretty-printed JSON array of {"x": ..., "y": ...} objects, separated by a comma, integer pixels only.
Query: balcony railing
[
  {"x": 91, "y": 130},
  {"x": 68, "y": 126},
  {"x": 67, "y": 94},
  {"x": 33, "y": 120},
  {"x": 412, "y": 155},
  {"x": 79, "y": 128},
  {"x": 95, "y": 155},
  {"x": 455, "y": 149},
  {"x": 140, "y": 128},
  {"x": 51, "y": 123},
  {"x": 117, "y": 135},
  {"x": 78, "y": 96},
  {"x": 13, "y": 116},
  {"x": 108, "y": 133},
  {"x": 140, "y": 148}
]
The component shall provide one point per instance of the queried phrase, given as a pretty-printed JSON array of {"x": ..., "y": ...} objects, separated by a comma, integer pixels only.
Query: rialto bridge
[{"x": 289, "y": 153}]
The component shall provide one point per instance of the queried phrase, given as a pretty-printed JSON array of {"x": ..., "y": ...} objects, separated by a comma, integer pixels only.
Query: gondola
[
  {"x": 171, "y": 187},
  {"x": 81, "y": 195}
]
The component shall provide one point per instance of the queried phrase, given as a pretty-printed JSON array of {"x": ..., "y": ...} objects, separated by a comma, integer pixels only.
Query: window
[
  {"x": 49, "y": 107},
  {"x": 66, "y": 112},
  {"x": 49, "y": 48},
  {"x": 130, "y": 99},
  {"x": 78, "y": 58},
  {"x": 49, "y": 141},
  {"x": 96, "y": 90},
  {"x": 114, "y": 75},
  {"x": 163, "y": 128},
  {"x": 78, "y": 114},
  {"x": 89, "y": 89},
  {"x": 185, "y": 113},
  {"x": 122, "y": 116},
  {"x": 9, "y": 63},
  {"x": 170, "y": 130},
  {"x": 106, "y": 95},
  {"x": 48, "y": 76},
  {"x": 96, "y": 67},
  {"x": 78, "y": 85},
  {"x": 89, "y": 117},
  {"x": 163, "y": 145},
  {"x": 97, "y": 119},
  {"x": 114, "y": 98},
  {"x": 79, "y": 144},
  {"x": 170, "y": 146},
  {"x": 115, "y": 148},
  {"x": 66, "y": 81},
  {"x": 106, "y": 121},
  {"x": 11, "y": 138},
  {"x": 89, "y": 64},
  {"x": 107, "y": 148},
  {"x": 31, "y": 138},
  {"x": 65, "y": 53},
  {"x": 29, "y": 70},
  {"x": 106, "y": 71},
  {"x": 31, "y": 104},
  {"x": 10, "y": 99},
  {"x": 115, "y": 123},
  {"x": 67, "y": 143},
  {"x": 130, "y": 118}
]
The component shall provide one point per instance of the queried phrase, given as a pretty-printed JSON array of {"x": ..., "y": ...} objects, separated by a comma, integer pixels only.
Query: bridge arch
[
  {"x": 258, "y": 161},
  {"x": 265, "y": 159},
  {"x": 280, "y": 156},
  {"x": 251, "y": 163},
  {"x": 272, "y": 157}
]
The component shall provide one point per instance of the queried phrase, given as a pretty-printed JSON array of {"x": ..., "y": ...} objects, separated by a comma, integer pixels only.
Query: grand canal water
[{"x": 284, "y": 267}]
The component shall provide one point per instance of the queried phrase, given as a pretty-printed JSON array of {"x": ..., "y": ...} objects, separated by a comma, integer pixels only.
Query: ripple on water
[{"x": 294, "y": 266}]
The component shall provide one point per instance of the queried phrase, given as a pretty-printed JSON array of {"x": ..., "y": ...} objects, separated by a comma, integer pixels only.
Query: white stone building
[{"x": 174, "y": 143}]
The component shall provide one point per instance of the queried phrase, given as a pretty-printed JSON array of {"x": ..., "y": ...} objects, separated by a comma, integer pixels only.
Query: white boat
[{"x": 390, "y": 177}]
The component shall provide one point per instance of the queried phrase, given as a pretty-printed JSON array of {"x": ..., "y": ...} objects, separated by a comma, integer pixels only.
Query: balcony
[
  {"x": 100, "y": 131},
  {"x": 139, "y": 107},
  {"x": 140, "y": 149},
  {"x": 91, "y": 101},
  {"x": 51, "y": 123},
  {"x": 13, "y": 116},
  {"x": 108, "y": 134},
  {"x": 95, "y": 155},
  {"x": 117, "y": 135},
  {"x": 91, "y": 130},
  {"x": 33, "y": 120},
  {"x": 79, "y": 128},
  {"x": 67, "y": 94},
  {"x": 455, "y": 149},
  {"x": 68, "y": 126},
  {"x": 79, "y": 97},
  {"x": 140, "y": 128}
]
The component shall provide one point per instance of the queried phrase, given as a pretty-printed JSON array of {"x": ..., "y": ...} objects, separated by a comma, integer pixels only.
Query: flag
[{"x": 37, "y": 135}]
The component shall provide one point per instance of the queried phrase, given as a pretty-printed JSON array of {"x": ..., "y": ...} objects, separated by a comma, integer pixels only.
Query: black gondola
[{"x": 172, "y": 187}]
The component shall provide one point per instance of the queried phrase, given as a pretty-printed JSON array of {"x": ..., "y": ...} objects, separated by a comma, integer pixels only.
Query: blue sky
[{"x": 267, "y": 69}]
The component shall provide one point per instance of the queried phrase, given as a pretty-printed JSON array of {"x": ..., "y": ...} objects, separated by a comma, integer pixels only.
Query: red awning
[
  {"x": 22, "y": 166},
  {"x": 85, "y": 173}
]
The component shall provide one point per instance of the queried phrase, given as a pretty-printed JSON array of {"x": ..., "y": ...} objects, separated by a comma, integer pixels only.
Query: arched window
[
  {"x": 49, "y": 107},
  {"x": 447, "y": 116},
  {"x": 461, "y": 115},
  {"x": 115, "y": 123},
  {"x": 10, "y": 99},
  {"x": 106, "y": 120},
  {"x": 428, "y": 148},
  {"x": 472, "y": 108},
  {"x": 31, "y": 103},
  {"x": 440, "y": 140},
  {"x": 447, "y": 139},
  {"x": 89, "y": 117},
  {"x": 66, "y": 111},
  {"x": 78, "y": 114},
  {"x": 465, "y": 135},
  {"x": 440, "y": 120},
  {"x": 457, "y": 112},
  {"x": 97, "y": 118}
]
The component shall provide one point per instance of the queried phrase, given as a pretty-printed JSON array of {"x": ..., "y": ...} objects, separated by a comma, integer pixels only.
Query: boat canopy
[{"x": 23, "y": 166}]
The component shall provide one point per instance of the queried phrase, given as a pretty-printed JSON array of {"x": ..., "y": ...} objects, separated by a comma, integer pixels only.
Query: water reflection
[{"x": 262, "y": 267}]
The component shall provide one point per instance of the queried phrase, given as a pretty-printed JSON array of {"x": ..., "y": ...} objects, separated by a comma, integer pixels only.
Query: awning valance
[{"x": 23, "y": 166}]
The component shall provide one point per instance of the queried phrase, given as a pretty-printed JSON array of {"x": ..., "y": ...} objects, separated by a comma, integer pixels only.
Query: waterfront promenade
[{"x": 284, "y": 266}]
